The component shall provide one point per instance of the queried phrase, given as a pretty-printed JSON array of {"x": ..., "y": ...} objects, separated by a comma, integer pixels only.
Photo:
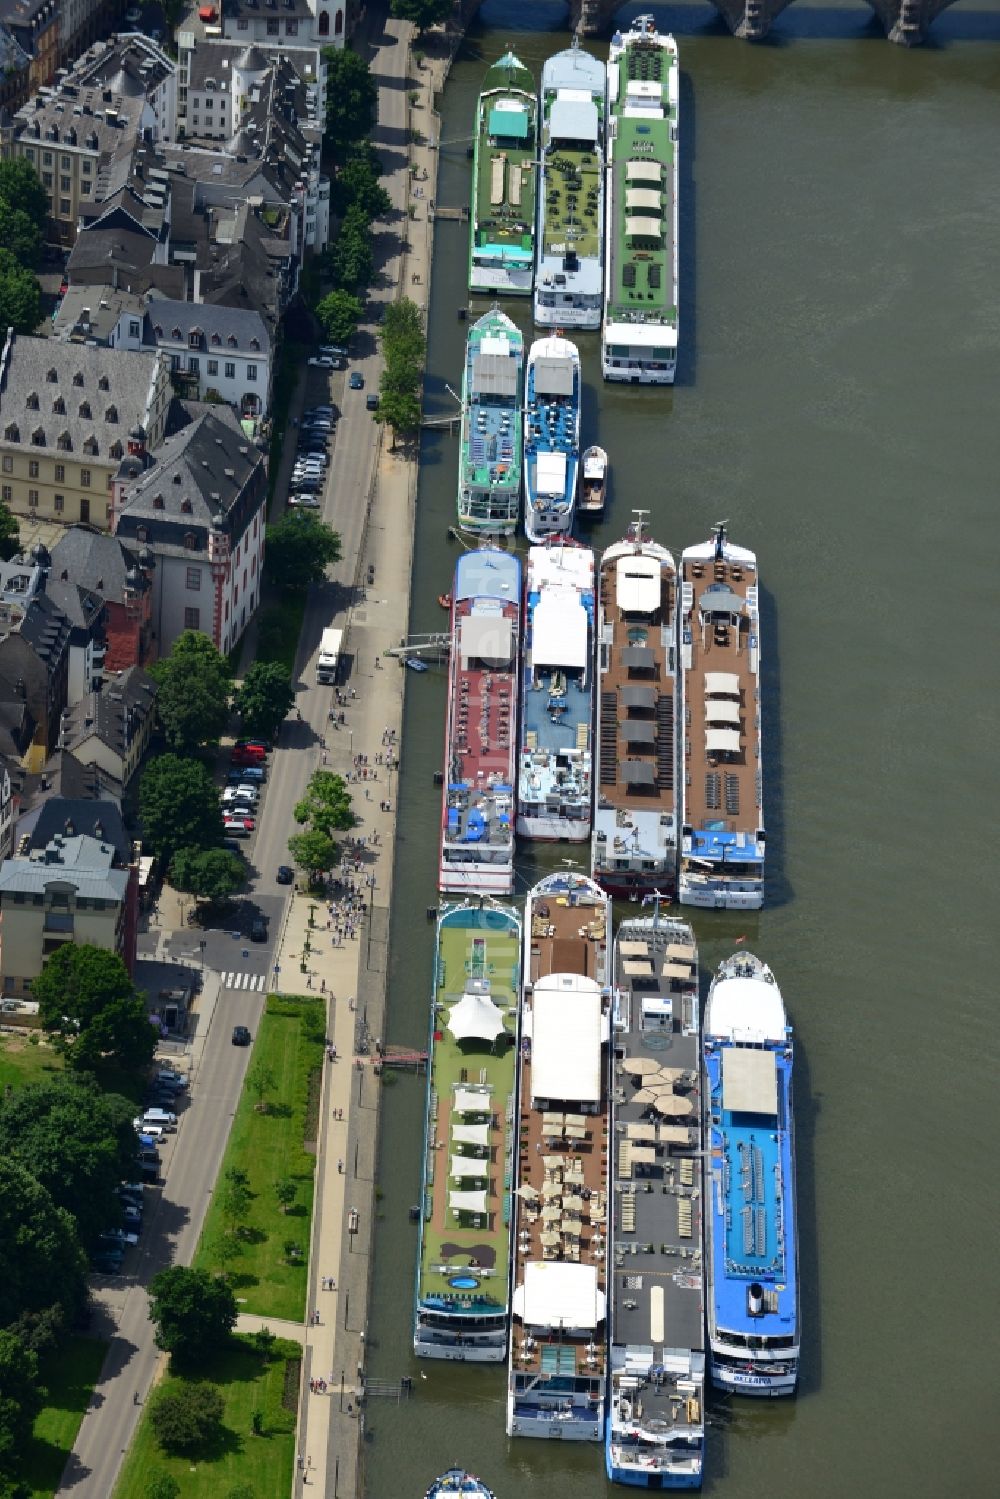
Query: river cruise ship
[
  {"x": 553, "y": 393},
  {"x": 639, "y": 341},
  {"x": 555, "y": 787},
  {"x": 558, "y": 1344},
  {"x": 502, "y": 239},
  {"x": 569, "y": 277},
  {"x": 489, "y": 475},
  {"x": 458, "y": 1484},
  {"x": 722, "y": 842},
  {"x": 656, "y": 1419},
  {"x": 477, "y": 814},
  {"x": 636, "y": 819},
  {"x": 751, "y": 1238},
  {"x": 463, "y": 1265}
]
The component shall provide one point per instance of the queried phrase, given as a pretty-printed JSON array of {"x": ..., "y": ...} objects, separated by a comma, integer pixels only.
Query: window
[
  {"x": 292, "y": 28},
  {"x": 190, "y": 540},
  {"x": 85, "y": 478},
  {"x": 47, "y": 178},
  {"x": 46, "y": 158},
  {"x": 134, "y": 329},
  {"x": 8, "y": 494},
  {"x": 84, "y": 510},
  {"x": 111, "y": 415},
  {"x": 88, "y": 167},
  {"x": 60, "y": 503},
  {"x": 251, "y": 372},
  {"x": 33, "y": 469},
  {"x": 65, "y": 162},
  {"x": 230, "y": 371},
  {"x": 242, "y": 24},
  {"x": 8, "y": 464},
  {"x": 85, "y": 189},
  {"x": 324, "y": 23},
  {"x": 194, "y": 338},
  {"x": 192, "y": 619},
  {"x": 194, "y": 579},
  {"x": 339, "y": 25},
  {"x": 140, "y": 533},
  {"x": 213, "y": 366},
  {"x": 33, "y": 498},
  {"x": 64, "y": 184},
  {"x": 85, "y": 410},
  {"x": 60, "y": 473},
  {"x": 64, "y": 207},
  {"x": 272, "y": 28},
  {"x": 194, "y": 364}
]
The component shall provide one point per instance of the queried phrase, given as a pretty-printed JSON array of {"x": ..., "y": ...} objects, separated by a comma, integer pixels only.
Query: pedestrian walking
[{"x": 300, "y": 1462}]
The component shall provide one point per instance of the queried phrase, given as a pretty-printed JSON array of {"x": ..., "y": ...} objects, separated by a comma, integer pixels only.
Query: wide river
[{"x": 838, "y": 404}]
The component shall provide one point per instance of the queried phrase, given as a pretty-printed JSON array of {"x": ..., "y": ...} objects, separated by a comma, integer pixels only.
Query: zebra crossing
[{"x": 239, "y": 979}]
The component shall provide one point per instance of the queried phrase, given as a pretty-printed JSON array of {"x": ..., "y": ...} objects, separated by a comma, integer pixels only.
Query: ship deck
[
  {"x": 491, "y": 429},
  {"x": 562, "y": 1156},
  {"x": 643, "y": 186},
  {"x": 658, "y": 1293},
  {"x": 505, "y": 176},
  {"x": 461, "y": 1245},
  {"x": 635, "y": 708},
  {"x": 723, "y": 790},
  {"x": 481, "y": 741},
  {"x": 571, "y": 203}
]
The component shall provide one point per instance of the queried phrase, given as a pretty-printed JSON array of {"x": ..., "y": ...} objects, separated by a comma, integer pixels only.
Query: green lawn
[
  {"x": 267, "y": 1147},
  {"x": 22, "y": 1063},
  {"x": 278, "y": 630},
  {"x": 69, "y": 1376},
  {"x": 266, "y": 1461}
]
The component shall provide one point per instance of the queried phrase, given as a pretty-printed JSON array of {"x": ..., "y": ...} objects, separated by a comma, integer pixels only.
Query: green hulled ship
[
  {"x": 502, "y": 242},
  {"x": 489, "y": 477}
]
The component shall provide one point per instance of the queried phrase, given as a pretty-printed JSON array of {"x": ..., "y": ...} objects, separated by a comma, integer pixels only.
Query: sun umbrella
[
  {"x": 528, "y": 1192},
  {"x": 644, "y": 1095},
  {"x": 641, "y": 1066},
  {"x": 673, "y": 1107}
]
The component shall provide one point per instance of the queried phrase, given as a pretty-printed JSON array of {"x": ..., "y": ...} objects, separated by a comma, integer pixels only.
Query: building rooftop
[
  {"x": 100, "y": 102},
  {"x": 80, "y": 861},
  {"x": 100, "y": 562},
  {"x": 68, "y": 817},
  {"x": 113, "y": 716},
  {"x": 85, "y": 314},
  {"x": 226, "y": 329}
]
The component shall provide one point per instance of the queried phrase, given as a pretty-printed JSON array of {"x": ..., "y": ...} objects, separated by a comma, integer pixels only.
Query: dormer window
[
  {"x": 111, "y": 415},
  {"x": 78, "y": 378},
  {"x": 32, "y": 402},
  {"x": 59, "y": 406},
  {"x": 64, "y": 442},
  {"x": 231, "y": 340},
  {"x": 186, "y": 506},
  {"x": 115, "y": 449},
  {"x": 104, "y": 383},
  {"x": 38, "y": 437},
  {"x": 190, "y": 540},
  {"x": 175, "y": 333},
  {"x": 157, "y": 502},
  {"x": 194, "y": 338},
  {"x": 11, "y": 433},
  {"x": 255, "y": 344},
  {"x": 158, "y": 330},
  {"x": 141, "y": 533},
  {"x": 51, "y": 377},
  {"x": 85, "y": 410},
  {"x": 216, "y": 339},
  {"x": 90, "y": 445}
]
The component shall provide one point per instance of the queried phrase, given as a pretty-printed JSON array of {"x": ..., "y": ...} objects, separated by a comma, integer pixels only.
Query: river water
[{"x": 837, "y": 404}]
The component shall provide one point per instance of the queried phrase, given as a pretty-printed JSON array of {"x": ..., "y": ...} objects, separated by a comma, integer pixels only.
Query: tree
[
  {"x": 78, "y": 1143},
  {"x": 403, "y": 335},
  {"x": 423, "y": 13},
  {"x": 235, "y": 1199},
  {"x": 351, "y": 95},
  {"x": 20, "y": 296},
  {"x": 91, "y": 1009},
  {"x": 193, "y": 1312},
  {"x": 261, "y": 1081},
  {"x": 265, "y": 697},
  {"x": 194, "y": 683},
  {"x": 313, "y": 851},
  {"x": 326, "y": 804},
  {"x": 10, "y": 534},
  {"x": 162, "y": 1486},
  {"x": 339, "y": 314},
  {"x": 263, "y": 1341},
  {"x": 286, "y": 1192},
  {"x": 224, "y": 1250},
  {"x": 352, "y": 259},
  {"x": 399, "y": 410},
  {"x": 21, "y": 235},
  {"x": 357, "y": 184},
  {"x": 247, "y": 1490},
  {"x": 42, "y": 1267},
  {"x": 207, "y": 873},
  {"x": 22, "y": 188},
  {"x": 300, "y": 548},
  {"x": 186, "y": 1417},
  {"x": 21, "y": 1398},
  {"x": 178, "y": 807}
]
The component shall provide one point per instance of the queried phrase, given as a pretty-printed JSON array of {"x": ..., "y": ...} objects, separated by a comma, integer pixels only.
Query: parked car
[
  {"x": 105, "y": 1262},
  {"x": 243, "y": 792},
  {"x": 149, "y": 1134},
  {"x": 357, "y": 380},
  {"x": 117, "y": 1236},
  {"x": 322, "y": 362},
  {"x": 305, "y": 501},
  {"x": 241, "y": 1035},
  {"x": 258, "y": 929},
  {"x": 172, "y": 1076},
  {"x": 249, "y": 755},
  {"x": 132, "y": 1218},
  {"x": 237, "y": 827},
  {"x": 162, "y": 1118},
  {"x": 371, "y": 401},
  {"x": 285, "y": 875},
  {"x": 337, "y": 349},
  {"x": 252, "y": 774},
  {"x": 253, "y": 742}
]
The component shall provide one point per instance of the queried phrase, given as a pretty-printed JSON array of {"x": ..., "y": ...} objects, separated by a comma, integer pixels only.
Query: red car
[
  {"x": 238, "y": 824},
  {"x": 248, "y": 754}
]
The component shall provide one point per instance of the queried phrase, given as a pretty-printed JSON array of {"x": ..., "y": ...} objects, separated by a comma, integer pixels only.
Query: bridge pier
[{"x": 906, "y": 22}]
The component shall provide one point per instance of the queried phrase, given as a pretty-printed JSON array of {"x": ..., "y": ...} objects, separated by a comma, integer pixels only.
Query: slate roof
[
  {"x": 195, "y": 476},
  {"x": 96, "y": 561},
  {"x": 77, "y": 110},
  {"x": 45, "y": 628},
  {"x": 104, "y": 393},
  {"x": 67, "y": 817},
  {"x": 102, "y": 310},
  {"x": 79, "y": 605},
  {"x": 235, "y": 328},
  {"x": 114, "y": 716},
  {"x": 64, "y": 776}
]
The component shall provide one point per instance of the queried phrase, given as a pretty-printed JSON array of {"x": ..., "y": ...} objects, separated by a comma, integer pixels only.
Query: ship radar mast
[
  {"x": 719, "y": 532},
  {"x": 637, "y": 526}
]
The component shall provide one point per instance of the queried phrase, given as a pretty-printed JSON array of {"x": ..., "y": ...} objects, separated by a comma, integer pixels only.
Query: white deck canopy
[
  {"x": 559, "y": 631},
  {"x": 573, "y": 119},
  {"x": 643, "y": 171},
  {"x": 722, "y": 741},
  {"x": 471, "y": 1134},
  {"x": 642, "y": 197},
  {"x": 722, "y": 684},
  {"x": 637, "y": 584},
  {"x": 487, "y": 638},
  {"x": 550, "y": 475},
  {"x": 643, "y": 226},
  {"x": 745, "y": 1009},
  {"x": 722, "y": 710},
  {"x": 467, "y": 1202},
  {"x": 475, "y": 1017},
  {"x": 749, "y": 1081},
  {"x": 560, "y": 1295},
  {"x": 468, "y": 1101},
  {"x": 566, "y": 1039},
  {"x": 467, "y": 1166},
  {"x": 553, "y": 375}
]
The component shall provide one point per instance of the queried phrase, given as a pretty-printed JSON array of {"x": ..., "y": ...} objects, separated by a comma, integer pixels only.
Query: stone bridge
[{"x": 905, "y": 21}]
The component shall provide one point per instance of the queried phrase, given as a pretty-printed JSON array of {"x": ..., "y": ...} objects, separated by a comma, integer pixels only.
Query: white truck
[{"x": 329, "y": 655}]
